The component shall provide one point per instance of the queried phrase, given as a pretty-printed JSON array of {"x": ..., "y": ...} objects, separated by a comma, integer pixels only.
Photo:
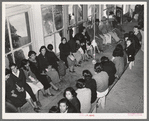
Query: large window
[
  {"x": 52, "y": 16},
  {"x": 17, "y": 37},
  {"x": 92, "y": 11},
  {"x": 80, "y": 12}
]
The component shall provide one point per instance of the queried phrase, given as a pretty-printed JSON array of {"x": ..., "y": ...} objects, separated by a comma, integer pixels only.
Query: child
[
  {"x": 52, "y": 73},
  {"x": 130, "y": 50},
  {"x": 62, "y": 69}
]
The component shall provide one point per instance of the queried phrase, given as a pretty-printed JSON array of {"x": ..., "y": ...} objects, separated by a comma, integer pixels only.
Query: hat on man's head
[{"x": 103, "y": 18}]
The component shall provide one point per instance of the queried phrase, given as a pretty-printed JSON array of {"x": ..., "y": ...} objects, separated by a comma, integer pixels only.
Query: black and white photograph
[{"x": 87, "y": 59}]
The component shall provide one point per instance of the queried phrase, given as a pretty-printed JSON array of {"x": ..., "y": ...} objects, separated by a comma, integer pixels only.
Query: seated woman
[
  {"x": 102, "y": 81},
  {"x": 83, "y": 93},
  {"x": 65, "y": 106},
  {"x": 18, "y": 80},
  {"x": 71, "y": 95},
  {"x": 66, "y": 55},
  {"x": 31, "y": 79},
  {"x": 91, "y": 84},
  {"x": 34, "y": 66},
  {"x": 118, "y": 60},
  {"x": 52, "y": 57},
  {"x": 14, "y": 98},
  {"x": 44, "y": 62},
  {"x": 109, "y": 67}
]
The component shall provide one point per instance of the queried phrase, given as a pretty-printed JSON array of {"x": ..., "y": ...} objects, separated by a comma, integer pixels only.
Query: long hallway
[{"x": 125, "y": 97}]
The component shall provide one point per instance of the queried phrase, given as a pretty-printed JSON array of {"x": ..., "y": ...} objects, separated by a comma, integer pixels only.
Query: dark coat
[
  {"x": 72, "y": 44},
  {"x": 139, "y": 36},
  {"x": 136, "y": 42},
  {"x": 83, "y": 39},
  {"x": 43, "y": 61},
  {"x": 71, "y": 109},
  {"x": 52, "y": 59},
  {"x": 34, "y": 66},
  {"x": 110, "y": 68},
  {"x": 21, "y": 82},
  {"x": 91, "y": 34},
  {"x": 91, "y": 84},
  {"x": 130, "y": 50},
  {"x": 11, "y": 85},
  {"x": 76, "y": 104},
  {"x": 64, "y": 52}
]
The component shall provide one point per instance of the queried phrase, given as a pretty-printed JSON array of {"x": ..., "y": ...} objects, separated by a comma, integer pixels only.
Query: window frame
[
  {"x": 25, "y": 9},
  {"x": 57, "y": 31}
]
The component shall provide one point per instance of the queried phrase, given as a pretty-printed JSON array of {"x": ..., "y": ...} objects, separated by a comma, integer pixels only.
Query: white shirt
[{"x": 16, "y": 74}]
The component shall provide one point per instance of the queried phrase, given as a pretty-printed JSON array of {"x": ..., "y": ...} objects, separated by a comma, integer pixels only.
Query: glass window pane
[
  {"x": 7, "y": 42},
  {"x": 49, "y": 25},
  {"x": 20, "y": 32},
  {"x": 90, "y": 12},
  {"x": 58, "y": 16},
  {"x": 80, "y": 12},
  {"x": 47, "y": 17},
  {"x": 26, "y": 50},
  {"x": 71, "y": 14}
]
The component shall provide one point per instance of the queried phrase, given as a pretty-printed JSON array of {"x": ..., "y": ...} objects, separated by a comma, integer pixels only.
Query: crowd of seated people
[
  {"x": 95, "y": 87},
  {"x": 40, "y": 73},
  {"x": 37, "y": 73}
]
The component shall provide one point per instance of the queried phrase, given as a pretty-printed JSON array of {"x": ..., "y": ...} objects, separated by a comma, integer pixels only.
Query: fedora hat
[{"x": 103, "y": 18}]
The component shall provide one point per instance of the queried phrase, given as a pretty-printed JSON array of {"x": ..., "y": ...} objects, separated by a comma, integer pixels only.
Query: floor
[{"x": 125, "y": 97}]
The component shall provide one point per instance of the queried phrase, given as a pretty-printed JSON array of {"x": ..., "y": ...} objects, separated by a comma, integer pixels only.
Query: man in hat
[{"x": 106, "y": 29}]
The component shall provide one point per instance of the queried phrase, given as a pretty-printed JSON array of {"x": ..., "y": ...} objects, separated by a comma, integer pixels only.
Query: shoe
[
  {"x": 39, "y": 104},
  {"x": 37, "y": 109}
]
